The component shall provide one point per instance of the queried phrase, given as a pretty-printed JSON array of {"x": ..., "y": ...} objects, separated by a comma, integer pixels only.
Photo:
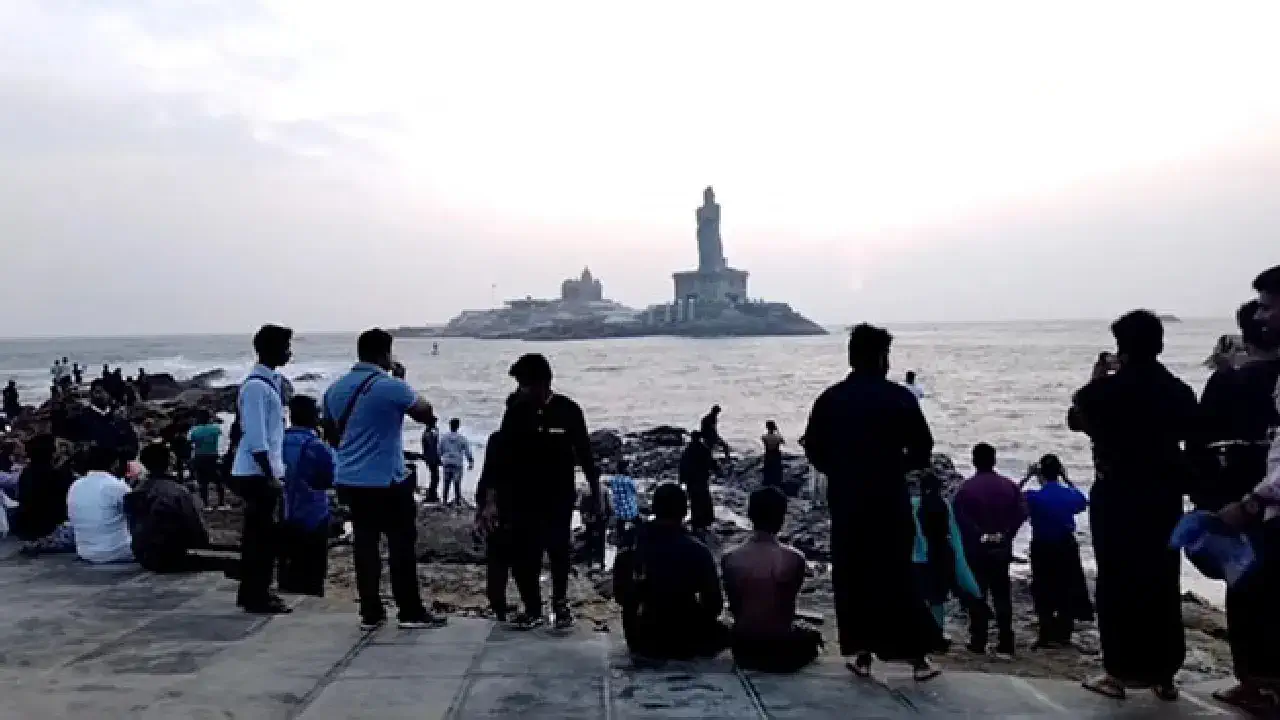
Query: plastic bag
[{"x": 1216, "y": 550}]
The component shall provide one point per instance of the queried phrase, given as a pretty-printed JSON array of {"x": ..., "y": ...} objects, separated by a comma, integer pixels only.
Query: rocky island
[{"x": 711, "y": 301}]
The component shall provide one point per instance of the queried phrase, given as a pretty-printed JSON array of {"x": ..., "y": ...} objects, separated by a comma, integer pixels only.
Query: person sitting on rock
[
  {"x": 95, "y": 506},
  {"x": 668, "y": 587},
  {"x": 164, "y": 521},
  {"x": 309, "y": 466},
  {"x": 762, "y": 579},
  {"x": 40, "y": 520}
]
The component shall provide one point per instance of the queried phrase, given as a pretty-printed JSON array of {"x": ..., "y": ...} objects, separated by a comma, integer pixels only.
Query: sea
[{"x": 1007, "y": 384}]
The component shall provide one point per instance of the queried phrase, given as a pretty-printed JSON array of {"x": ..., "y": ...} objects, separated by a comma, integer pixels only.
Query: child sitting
[{"x": 1057, "y": 577}]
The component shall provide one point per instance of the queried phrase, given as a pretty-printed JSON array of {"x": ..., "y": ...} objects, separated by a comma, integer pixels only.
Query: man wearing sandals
[{"x": 1137, "y": 419}]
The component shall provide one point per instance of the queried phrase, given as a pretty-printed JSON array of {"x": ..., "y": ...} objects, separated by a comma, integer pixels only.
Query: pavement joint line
[
  {"x": 468, "y": 677},
  {"x": 331, "y": 674},
  {"x": 1034, "y": 692},
  {"x": 1203, "y": 704},
  {"x": 752, "y": 694}
]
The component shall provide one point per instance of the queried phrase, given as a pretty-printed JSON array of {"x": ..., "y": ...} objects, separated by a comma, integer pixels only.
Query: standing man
[
  {"x": 711, "y": 431},
  {"x": 259, "y": 469},
  {"x": 696, "y": 468},
  {"x": 77, "y": 374},
  {"x": 55, "y": 374},
  {"x": 431, "y": 456},
  {"x": 454, "y": 450},
  {"x": 12, "y": 406},
  {"x": 1137, "y": 420},
  {"x": 544, "y": 438},
  {"x": 364, "y": 413},
  {"x": 989, "y": 509},
  {"x": 205, "y": 464}
]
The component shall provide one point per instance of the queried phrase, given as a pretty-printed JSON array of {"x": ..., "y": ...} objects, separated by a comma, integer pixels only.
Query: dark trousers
[
  {"x": 304, "y": 560},
  {"x": 596, "y": 532},
  {"x": 208, "y": 471},
  {"x": 1251, "y": 628},
  {"x": 1058, "y": 588},
  {"x": 701, "y": 509},
  {"x": 390, "y": 511},
  {"x": 535, "y": 531},
  {"x": 259, "y": 542},
  {"x": 991, "y": 570},
  {"x": 498, "y": 556},
  {"x": 433, "y": 490},
  {"x": 682, "y": 638},
  {"x": 786, "y": 654}
]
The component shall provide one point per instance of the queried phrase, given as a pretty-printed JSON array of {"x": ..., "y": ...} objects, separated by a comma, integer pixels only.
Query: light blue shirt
[
  {"x": 371, "y": 453},
  {"x": 262, "y": 420}
]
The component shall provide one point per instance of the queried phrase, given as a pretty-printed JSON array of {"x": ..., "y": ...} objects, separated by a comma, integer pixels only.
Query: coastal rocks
[
  {"x": 309, "y": 377},
  {"x": 446, "y": 534},
  {"x": 662, "y": 436},
  {"x": 606, "y": 445},
  {"x": 164, "y": 386}
]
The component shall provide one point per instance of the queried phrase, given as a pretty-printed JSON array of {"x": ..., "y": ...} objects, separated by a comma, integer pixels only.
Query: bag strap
[
  {"x": 265, "y": 381},
  {"x": 341, "y": 425}
]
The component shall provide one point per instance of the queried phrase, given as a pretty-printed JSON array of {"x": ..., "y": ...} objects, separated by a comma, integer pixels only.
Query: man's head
[
  {"x": 911, "y": 377},
  {"x": 715, "y": 411},
  {"x": 374, "y": 347},
  {"x": 532, "y": 374},
  {"x": 1254, "y": 332},
  {"x": 99, "y": 396},
  {"x": 13, "y": 383},
  {"x": 670, "y": 503},
  {"x": 767, "y": 509},
  {"x": 984, "y": 457},
  {"x": 156, "y": 459},
  {"x": 272, "y": 343},
  {"x": 771, "y": 426},
  {"x": 304, "y": 412},
  {"x": 454, "y": 424},
  {"x": 41, "y": 449},
  {"x": 1051, "y": 469},
  {"x": 1139, "y": 336},
  {"x": 869, "y": 349},
  {"x": 1268, "y": 287}
]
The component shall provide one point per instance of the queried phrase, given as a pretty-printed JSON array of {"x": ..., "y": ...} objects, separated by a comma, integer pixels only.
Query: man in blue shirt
[
  {"x": 1057, "y": 577},
  {"x": 364, "y": 414},
  {"x": 309, "y": 465},
  {"x": 259, "y": 469}
]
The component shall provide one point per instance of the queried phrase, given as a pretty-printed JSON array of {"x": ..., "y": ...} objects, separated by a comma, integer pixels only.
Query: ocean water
[{"x": 1008, "y": 384}]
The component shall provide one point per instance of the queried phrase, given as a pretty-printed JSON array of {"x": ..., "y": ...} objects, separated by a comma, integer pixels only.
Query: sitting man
[
  {"x": 762, "y": 579},
  {"x": 95, "y": 506},
  {"x": 668, "y": 587},
  {"x": 164, "y": 520},
  {"x": 40, "y": 520}
]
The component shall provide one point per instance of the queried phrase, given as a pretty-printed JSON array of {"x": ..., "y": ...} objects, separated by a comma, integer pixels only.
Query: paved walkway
[{"x": 84, "y": 642}]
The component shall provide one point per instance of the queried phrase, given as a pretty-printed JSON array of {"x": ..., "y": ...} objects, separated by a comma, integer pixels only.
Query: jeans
[
  {"x": 498, "y": 568},
  {"x": 534, "y": 531},
  {"x": 390, "y": 511},
  {"x": 208, "y": 471},
  {"x": 259, "y": 541},
  {"x": 452, "y": 480},
  {"x": 991, "y": 570}
]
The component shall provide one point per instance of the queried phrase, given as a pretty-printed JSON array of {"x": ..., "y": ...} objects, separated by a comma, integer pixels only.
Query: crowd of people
[{"x": 902, "y": 545}]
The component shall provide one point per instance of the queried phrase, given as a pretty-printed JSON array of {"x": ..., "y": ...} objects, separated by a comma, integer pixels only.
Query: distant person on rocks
[
  {"x": 55, "y": 383},
  {"x": 1137, "y": 419},
  {"x": 499, "y": 553},
  {"x": 989, "y": 510},
  {"x": 431, "y": 456},
  {"x": 164, "y": 522},
  {"x": 668, "y": 587},
  {"x": 913, "y": 386},
  {"x": 626, "y": 507},
  {"x": 95, "y": 507},
  {"x": 40, "y": 520},
  {"x": 143, "y": 383},
  {"x": 106, "y": 427},
  {"x": 711, "y": 431},
  {"x": 12, "y": 403},
  {"x": 205, "y": 463},
  {"x": 177, "y": 437},
  {"x": 65, "y": 378},
  {"x": 773, "y": 442},
  {"x": 865, "y": 433},
  {"x": 762, "y": 579},
  {"x": 258, "y": 469},
  {"x": 1254, "y": 636},
  {"x": 1057, "y": 576},
  {"x": 309, "y": 466},
  {"x": 696, "y": 467},
  {"x": 545, "y": 438},
  {"x": 77, "y": 374},
  {"x": 365, "y": 411},
  {"x": 455, "y": 450}
]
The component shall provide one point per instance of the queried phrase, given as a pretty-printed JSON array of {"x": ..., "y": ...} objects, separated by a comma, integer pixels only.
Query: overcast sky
[{"x": 209, "y": 165}]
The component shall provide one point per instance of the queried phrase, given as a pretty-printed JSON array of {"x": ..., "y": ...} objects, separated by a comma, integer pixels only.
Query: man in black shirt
[
  {"x": 544, "y": 438},
  {"x": 711, "y": 431},
  {"x": 696, "y": 468},
  {"x": 668, "y": 587}
]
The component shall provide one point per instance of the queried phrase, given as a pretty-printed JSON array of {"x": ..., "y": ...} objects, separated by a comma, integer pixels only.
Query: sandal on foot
[
  {"x": 1106, "y": 686},
  {"x": 860, "y": 665}
]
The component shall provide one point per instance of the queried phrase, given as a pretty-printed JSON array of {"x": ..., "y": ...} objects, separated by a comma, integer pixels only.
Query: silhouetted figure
[
  {"x": 77, "y": 374},
  {"x": 143, "y": 383},
  {"x": 431, "y": 457},
  {"x": 696, "y": 468},
  {"x": 1137, "y": 419},
  {"x": 40, "y": 520},
  {"x": 1057, "y": 576},
  {"x": 499, "y": 554},
  {"x": 711, "y": 431},
  {"x": 12, "y": 403},
  {"x": 668, "y": 587},
  {"x": 864, "y": 434},
  {"x": 772, "y": 441}
]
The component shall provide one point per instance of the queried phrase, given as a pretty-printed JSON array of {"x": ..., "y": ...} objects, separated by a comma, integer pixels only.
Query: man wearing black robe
[
  {"x": 1137, "y": 419},
  {"x": 865, "y": 433}
]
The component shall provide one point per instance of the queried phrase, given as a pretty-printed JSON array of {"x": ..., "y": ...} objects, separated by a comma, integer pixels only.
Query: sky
[{"x": 188, "y": 166}]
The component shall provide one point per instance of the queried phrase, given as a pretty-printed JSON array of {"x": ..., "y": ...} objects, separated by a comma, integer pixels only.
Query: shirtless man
[{"x": 761, "y": 580}]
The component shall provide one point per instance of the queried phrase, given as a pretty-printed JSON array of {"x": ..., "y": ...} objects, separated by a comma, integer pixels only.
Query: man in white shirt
[
  {"x": 95, "y": 507},
  {"x": 258, "y": 469},
  {"x": 912, "y": 386},
  {"x": 454, "y": 450}
]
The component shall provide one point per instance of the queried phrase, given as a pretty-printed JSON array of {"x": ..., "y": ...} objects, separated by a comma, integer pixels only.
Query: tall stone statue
[{"x": 710, "y": 249}]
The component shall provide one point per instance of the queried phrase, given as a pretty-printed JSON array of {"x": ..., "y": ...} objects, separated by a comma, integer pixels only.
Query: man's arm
[
  {"x": 253, "y": 425},
  {"x": 466, "y": 450},
  {"x": 709, "y": 595},
  {"x": 730, "y": 586},
  {"x": 420, "y": 410},
  {"x": 582, "y": 448}
]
